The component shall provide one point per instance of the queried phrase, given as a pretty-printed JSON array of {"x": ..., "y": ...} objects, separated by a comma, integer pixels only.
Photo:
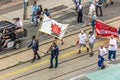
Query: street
[{"x": 72, "y": 66}]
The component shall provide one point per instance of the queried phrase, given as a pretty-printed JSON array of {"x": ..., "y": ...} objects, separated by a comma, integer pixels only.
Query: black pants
[
  {"x": 100, "y": 8},
  {"x": 36, "y": 55},
  {"x": 79, "y": 19}
]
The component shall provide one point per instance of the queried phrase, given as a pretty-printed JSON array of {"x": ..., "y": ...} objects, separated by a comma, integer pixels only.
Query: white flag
[{"x": 53, "y": 28}]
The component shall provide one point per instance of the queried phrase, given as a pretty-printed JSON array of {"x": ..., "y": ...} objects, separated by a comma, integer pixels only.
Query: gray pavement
[{"x": 65, "y": 15}]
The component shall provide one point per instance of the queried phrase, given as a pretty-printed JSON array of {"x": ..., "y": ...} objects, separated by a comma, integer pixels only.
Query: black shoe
[
  {"x": 87, "y": 49},
  {"x": 32, "y": 61},
  {"x": 91, "y": 54},
  {"x": 50, "y": 67},
  {"x": 111, "y": 3},
  {"x": 103, "y": 67},
  {"x": 62, "y": 43},
  {"x": 106, "y": 5},
  {"x": 55, "y": 67},
  {"x": 79, "y": 51}
]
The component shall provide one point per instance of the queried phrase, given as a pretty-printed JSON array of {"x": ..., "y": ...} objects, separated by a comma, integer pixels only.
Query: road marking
[
  {"x": 44, "y": 62},
  {"x": 74, "y": 78}
]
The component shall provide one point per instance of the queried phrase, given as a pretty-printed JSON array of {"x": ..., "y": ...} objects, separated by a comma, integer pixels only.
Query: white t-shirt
[
  {"x": 19, "y": 24},
  {"x": 91, "y": 38},
  {"x": 113, "y": 42},
  {"x": 82, "y": 38},
  {"x": 102, "y": 51},
  {"x": 91, "y": 9}
]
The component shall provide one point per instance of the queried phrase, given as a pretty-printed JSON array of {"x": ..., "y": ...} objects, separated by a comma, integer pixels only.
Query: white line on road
[{"x": 77, "y": 77}]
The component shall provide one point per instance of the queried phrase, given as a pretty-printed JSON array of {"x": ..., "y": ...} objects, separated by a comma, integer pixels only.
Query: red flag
[{"x": 105, "y": 30}]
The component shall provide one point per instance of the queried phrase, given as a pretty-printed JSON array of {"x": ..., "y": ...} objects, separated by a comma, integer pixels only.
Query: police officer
[
  {"x": 79, "y": 11},
  {"x": 54, "y": 54},
  {"x": 34, "y": 45}
]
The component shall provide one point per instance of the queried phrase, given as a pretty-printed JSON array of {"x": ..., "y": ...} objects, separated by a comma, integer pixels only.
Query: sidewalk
[{"x": 52, "y": 4}]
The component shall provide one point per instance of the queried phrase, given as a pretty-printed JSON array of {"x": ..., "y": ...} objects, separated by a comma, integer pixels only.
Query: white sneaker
[
  {"x": 108, "y": 61},
  {"x": 113, "y": 59}
]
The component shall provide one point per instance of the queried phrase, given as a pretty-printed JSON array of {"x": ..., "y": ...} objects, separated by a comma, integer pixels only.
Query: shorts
[
  {"x": 80, "y": 45},
  {"x": 91, "y": 45}
]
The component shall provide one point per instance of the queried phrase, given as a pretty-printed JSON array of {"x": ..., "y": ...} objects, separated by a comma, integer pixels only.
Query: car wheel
[{"x": 17, "y": 45}]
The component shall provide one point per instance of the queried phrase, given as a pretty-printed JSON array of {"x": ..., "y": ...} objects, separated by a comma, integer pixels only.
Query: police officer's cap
[{"x": 33, "y": 37}]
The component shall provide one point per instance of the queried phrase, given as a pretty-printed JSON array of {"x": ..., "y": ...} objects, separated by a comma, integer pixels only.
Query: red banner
[{"x": 105, "y": 30}]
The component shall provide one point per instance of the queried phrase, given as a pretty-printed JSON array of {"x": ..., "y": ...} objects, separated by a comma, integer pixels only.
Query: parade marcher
[
  {"x": 82, "y": 41},
  {"x": 47, "y": 13},
  {"x": 80, "y": 14},
  {"x": 93, "y": 21},
  {"x": 112, "y": 48},
  {"x": 38, "y": 14},
  {"x": 91, "y": 10},
  {"x": 108, "y": 2},
  {"x": 91, "y": 42},
  {"x": 34, "y": 45},
  {"x": 101, "y": 57},
  {"x": 99, "y": 4},
  {"x": 34, "y": 10},
  {"x": 54, "y": 54}
]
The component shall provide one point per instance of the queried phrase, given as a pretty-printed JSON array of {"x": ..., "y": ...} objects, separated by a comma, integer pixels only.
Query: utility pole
[{"x": 25, "y": 9}]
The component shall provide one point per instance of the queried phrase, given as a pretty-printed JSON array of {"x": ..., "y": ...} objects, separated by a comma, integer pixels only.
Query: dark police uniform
[
  {"x": 34, "y": 45},
  {"x": 54, "y": 54}
]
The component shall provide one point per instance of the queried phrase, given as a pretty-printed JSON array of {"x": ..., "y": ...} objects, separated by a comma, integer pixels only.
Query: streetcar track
[
  {"x": 59, "y": 64},
  {"x": 20, "y": 63},
  {"x": 62, "y": 63}
]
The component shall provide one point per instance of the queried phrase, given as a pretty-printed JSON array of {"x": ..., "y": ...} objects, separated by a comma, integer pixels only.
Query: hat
[
  {"x": 90, "y": 32},
  {"x": 33, "y": 37}
]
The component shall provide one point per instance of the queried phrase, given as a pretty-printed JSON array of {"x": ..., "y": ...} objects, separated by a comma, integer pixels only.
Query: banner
[
  {"x": 105, "y": 30},
  {"x": 53, "y": 28}
]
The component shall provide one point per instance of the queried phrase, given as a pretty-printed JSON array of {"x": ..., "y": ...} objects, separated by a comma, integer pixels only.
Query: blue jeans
[
  {"x": 56, "y": 60},
  {"x": 93, "y": 25},
  {"x": 111, "y": 53},
  {"x": 33, "y": 15}
]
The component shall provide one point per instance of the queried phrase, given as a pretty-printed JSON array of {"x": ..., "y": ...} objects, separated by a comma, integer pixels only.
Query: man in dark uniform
[
  {"x": 54, "y": 54},
  {"x": 79, "y": 11},
  {"x": 34, "y": 45}
]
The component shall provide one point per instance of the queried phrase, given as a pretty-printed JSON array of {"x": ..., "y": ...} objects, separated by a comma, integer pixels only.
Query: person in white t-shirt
[
  {"x": 91, "y": 42},
  {"x": 82, "y": 41},
  {"x": 91, "y": 10},
  {"x": 101, "y": 56},
  {"x": 112, "y": 48},
  {"x": 19, "y": 24}
]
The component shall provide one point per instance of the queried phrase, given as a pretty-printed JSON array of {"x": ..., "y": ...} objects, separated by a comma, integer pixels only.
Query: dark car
[{"x": 16, "y": 35}]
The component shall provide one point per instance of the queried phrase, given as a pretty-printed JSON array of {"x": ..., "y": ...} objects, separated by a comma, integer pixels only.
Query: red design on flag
[
  {"x": 105, "y": 30},
  {"x": 55, "y": 29}
]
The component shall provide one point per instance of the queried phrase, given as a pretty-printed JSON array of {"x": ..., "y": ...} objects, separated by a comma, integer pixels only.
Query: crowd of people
[{"x": 94, "y": 6}]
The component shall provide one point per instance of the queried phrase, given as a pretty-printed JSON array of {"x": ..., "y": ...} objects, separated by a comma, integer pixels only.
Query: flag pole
[{"x": 37, "y": 34}]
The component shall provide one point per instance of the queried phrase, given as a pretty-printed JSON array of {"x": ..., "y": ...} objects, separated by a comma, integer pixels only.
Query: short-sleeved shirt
[
  {"x": 82, "y": 38},
  {"x": 91, "y": 9},
  {"x": 102, "y": 51},
  {"x": 19, "y": 24},
  {"x": 113, "y": 42},
  {"x": 91, "y": 38}
]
